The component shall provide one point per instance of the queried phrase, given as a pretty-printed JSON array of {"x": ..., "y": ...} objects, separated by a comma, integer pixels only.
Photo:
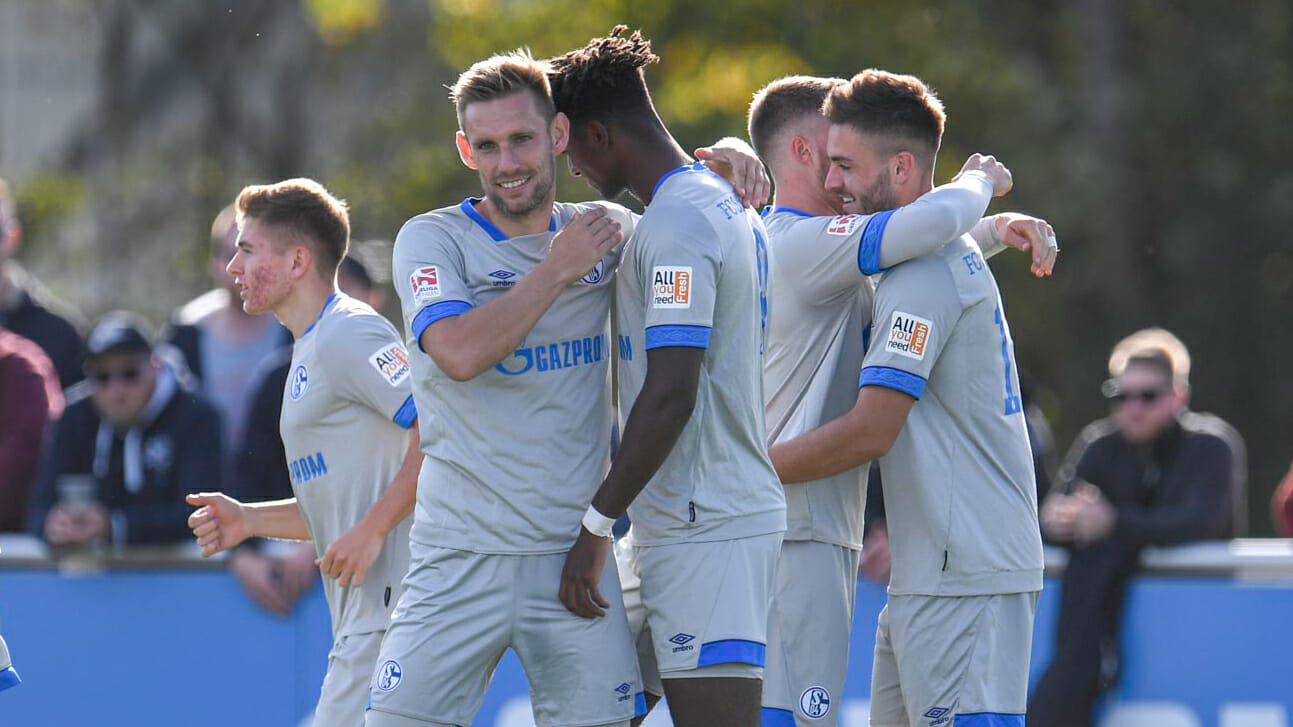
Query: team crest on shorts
[
  {"x": 815, "y": 702},
  {"x": 299, "y": 383},
  {"x": 389, "y": 676}
]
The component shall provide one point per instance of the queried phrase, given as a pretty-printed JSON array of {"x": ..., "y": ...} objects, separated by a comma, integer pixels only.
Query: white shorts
[
  {"x": 808, "y": 634},
  {"x": 707, "y": 605},
  {"x": 631, "y": 586},
  {"x": 939, "y": 659},
  {"x": 345, "y": 686},
  {"x": 460, "y": 611}
]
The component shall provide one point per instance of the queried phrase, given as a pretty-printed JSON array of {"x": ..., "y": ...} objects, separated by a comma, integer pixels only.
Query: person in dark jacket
[
  {"x": 1152, "y": 474},
  {"x": 27, "y": 309},
  {"x": 123, "y": 458}
]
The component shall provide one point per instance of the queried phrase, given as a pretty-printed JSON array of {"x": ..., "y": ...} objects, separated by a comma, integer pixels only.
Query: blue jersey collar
[
  {"x": 693, "y": 167},
  {"x": 326, "y": 303},
  {"x": 469, "y": 208}
]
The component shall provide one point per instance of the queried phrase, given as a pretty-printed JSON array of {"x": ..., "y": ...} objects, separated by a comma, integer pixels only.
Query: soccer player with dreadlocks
[{"x": 692, "y": 469}]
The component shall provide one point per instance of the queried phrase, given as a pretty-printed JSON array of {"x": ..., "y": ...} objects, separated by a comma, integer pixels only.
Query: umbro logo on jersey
[
  {"x": 938, "y": 715},
  {"x": 908, "y": 335},
  {"x": 682, "y": 642},
  {"x": 503, "y": 278}
]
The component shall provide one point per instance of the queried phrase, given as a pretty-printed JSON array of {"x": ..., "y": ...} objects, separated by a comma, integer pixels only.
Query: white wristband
[{"x": 597, "y": 523}]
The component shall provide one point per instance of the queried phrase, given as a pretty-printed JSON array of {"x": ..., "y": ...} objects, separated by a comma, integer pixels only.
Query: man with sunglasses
[
  {"x": 1154, "y": 473},
  {"x": 123, "y": 457}
]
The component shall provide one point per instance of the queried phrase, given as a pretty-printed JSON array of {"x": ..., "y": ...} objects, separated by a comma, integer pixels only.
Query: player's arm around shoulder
[{"x": 468, "y": 341}]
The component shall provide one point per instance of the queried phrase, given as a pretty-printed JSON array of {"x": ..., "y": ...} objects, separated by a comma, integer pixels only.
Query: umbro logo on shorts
[
  {"x": 682, "y": 642},
  {"x": 938, "y": 715},
  {"x": 625, "y": 690}
]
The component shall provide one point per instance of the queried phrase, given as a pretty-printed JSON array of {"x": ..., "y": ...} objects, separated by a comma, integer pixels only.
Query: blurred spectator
[
  {"x": 1153, "y": 474},
  {"x": 224, "y": 346},
  {"x": 121, "y": 460},
  {"x": 275, "y": 578},
  {"x": 27, "y": 309},
  {"x": 30, "y": 400},
  {"x": 1282, "y": 506}
]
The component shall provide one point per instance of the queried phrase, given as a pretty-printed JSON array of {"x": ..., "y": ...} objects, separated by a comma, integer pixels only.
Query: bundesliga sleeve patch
[
  {"x": 425, "y": 284},
  {"x": 908, "y": 335},
  {"x": 671, "y": 287},
  {"x": 392, "y": 362},
  {"x": 844, "y": 225}
]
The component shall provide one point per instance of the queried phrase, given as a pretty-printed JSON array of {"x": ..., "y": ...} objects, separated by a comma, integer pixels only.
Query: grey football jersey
[
  {"x": 694, "y": 274},
  {"x": 516, "y": 453},
  {"x": 960, "y": 494},
  {"x": 346, "y": 407},
  {"x": 819, "y": 322}
]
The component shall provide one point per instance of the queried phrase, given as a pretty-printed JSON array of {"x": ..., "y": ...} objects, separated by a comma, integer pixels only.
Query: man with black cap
[{"x": 123, "y": 458}]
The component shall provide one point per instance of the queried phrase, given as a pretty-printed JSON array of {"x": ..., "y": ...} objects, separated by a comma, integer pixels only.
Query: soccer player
[
  {"x": 707, "y": 527},
  {"x": 346, "y": 410},
  {"x": 939, "y": 403},
  {"x": 819, "y": 320}
]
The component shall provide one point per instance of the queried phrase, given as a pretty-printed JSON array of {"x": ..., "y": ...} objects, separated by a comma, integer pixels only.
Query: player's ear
[
  {"x": 598, "y": 135},
  {"x": 801, "y": 150},
  {"x": 464, "y": 149},
  {"x": 302, "y": 260},
  {"x": 903, "y": 167},
  {"x": 560, "y": 130}
]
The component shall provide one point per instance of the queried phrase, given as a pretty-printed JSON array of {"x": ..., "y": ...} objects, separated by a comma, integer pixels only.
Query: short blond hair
[{"x": 1156, "y": 346}]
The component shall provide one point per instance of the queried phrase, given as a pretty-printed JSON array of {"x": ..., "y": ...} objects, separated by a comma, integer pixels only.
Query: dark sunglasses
[
  {"x": 1144, "y": 396},
  {"x": 128, "y": 375}
]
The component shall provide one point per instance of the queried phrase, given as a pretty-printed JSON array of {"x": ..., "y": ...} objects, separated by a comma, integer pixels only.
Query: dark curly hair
[{"x": 603, "y": 80}]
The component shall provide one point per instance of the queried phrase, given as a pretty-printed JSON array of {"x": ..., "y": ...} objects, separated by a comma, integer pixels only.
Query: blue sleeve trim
[
  {"x": 688, "y": 336},
  {"x": 989, "y": 719},
  {"x": 407, "y": 414},
  {"x": 908, "y": 383},
  {"x": 9, "y": 678},
  {"x": 732, "y": 651},
  {"x": 639, "y": 704},
  {"x": 435, "y": 312},
  {"x": 772, "y": 717},
  {"x": 869, "y": 247}
]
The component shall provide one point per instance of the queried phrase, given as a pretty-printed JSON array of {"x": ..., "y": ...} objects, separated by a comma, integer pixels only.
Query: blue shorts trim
[
  {"x": 869, "y": 246},
  {"x": 732, "y": 651},
  {"x": 407, "y": 414},
  {"x": 436, "y": 312},
  {"x": 686, "y": 336},
  {"x": 908, "y": 383},
  {"x": 772, "y": 717},
  {"x": 639, "y": 704},
  {"x": 9, "y": 678},
  {"x": 989, "y": 719}
]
